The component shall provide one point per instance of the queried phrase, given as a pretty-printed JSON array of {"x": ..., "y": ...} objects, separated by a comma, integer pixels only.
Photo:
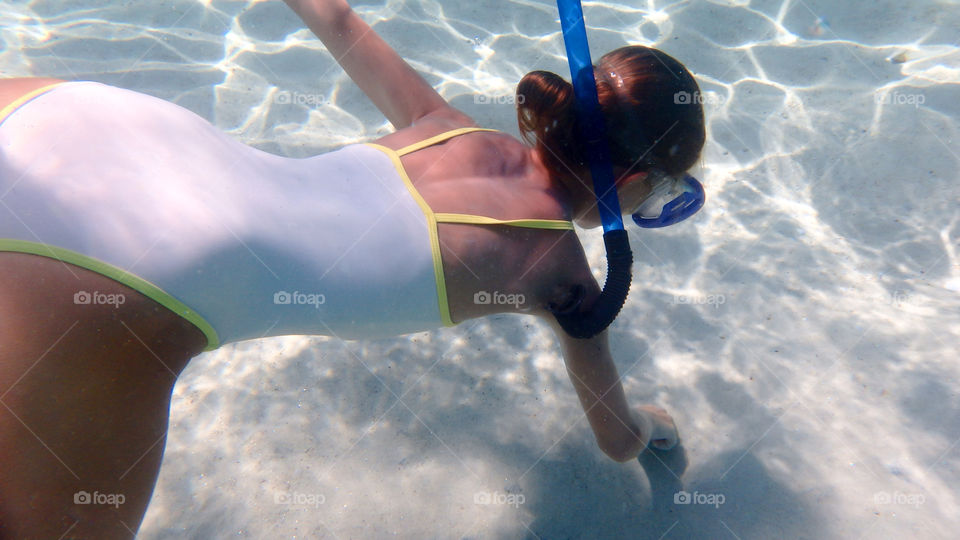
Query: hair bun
[{"x": 545, "y": 113}]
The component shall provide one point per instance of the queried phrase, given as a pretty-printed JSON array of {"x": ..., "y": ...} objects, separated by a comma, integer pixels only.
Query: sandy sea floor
[{"x": 803, "y": 329}]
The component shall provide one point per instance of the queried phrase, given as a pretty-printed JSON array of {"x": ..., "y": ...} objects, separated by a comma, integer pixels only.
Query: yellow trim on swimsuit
[
  {"x": 430, "y": 141},
  {"x": 136, "y": 283},
  {"x": 433, "y": 217},
  {"x": 15, "y": 104},
  {"x": 557, "y": 224},
  {"x": 431, "y": 230}
]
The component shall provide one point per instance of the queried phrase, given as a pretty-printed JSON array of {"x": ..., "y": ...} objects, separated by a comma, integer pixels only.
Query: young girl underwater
[{"x": 134, "y": 235}]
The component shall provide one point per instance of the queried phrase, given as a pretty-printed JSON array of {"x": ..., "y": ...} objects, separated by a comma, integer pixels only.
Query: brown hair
[{"x": 650, "y": 103}]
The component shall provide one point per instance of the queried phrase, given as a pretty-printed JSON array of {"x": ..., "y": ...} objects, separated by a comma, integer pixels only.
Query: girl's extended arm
[
  {"x": 401, "y": 94},
  {"x": 622, "y": 435}
]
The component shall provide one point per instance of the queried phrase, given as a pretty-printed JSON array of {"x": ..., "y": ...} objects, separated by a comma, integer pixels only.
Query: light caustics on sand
[{"x": 801, "y": 328}]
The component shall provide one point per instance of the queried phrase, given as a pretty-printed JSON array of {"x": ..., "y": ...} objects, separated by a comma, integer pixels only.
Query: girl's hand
[{"x": 663, "y": 432}]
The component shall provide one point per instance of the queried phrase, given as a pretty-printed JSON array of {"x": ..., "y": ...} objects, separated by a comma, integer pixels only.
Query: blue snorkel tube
[
  {"x": 619, "y": 257},
  {"x": 673, "y": 200}
]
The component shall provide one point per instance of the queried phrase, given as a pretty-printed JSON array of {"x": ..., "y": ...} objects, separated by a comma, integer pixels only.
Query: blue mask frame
[{"x": 684, "y": 199}]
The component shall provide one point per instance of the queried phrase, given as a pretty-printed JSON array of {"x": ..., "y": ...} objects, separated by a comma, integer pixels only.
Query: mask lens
[{"x": 672, "y": 200}]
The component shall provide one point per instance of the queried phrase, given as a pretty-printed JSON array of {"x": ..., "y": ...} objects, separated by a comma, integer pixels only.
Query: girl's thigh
[{"x": 84, "y": 398}]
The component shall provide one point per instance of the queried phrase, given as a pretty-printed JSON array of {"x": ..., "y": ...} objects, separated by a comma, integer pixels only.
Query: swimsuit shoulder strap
[
  {"x": 480, "y": 220},
  {"x": 439, "y": 138},
  {"x": 556, "y": 224}
]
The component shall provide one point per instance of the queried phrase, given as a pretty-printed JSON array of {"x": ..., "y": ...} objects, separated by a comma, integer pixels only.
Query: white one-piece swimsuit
[{"x": 240, "y": 242}]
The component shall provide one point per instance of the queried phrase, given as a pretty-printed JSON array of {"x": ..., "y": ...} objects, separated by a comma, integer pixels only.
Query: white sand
[{"x": 803, "y": 329}]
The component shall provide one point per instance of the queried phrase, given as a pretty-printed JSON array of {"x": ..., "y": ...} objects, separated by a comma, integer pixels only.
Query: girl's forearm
[{"x": 620, "y": 434}]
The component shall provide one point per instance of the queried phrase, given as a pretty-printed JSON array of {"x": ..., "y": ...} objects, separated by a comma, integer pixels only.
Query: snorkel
[
  {"x": 672, "y": 200},
  {"x": 619, "y": 257}
]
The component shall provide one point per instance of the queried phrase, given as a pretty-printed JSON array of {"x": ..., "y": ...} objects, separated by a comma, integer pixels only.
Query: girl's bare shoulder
[{"x": 435, "y": 123}]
